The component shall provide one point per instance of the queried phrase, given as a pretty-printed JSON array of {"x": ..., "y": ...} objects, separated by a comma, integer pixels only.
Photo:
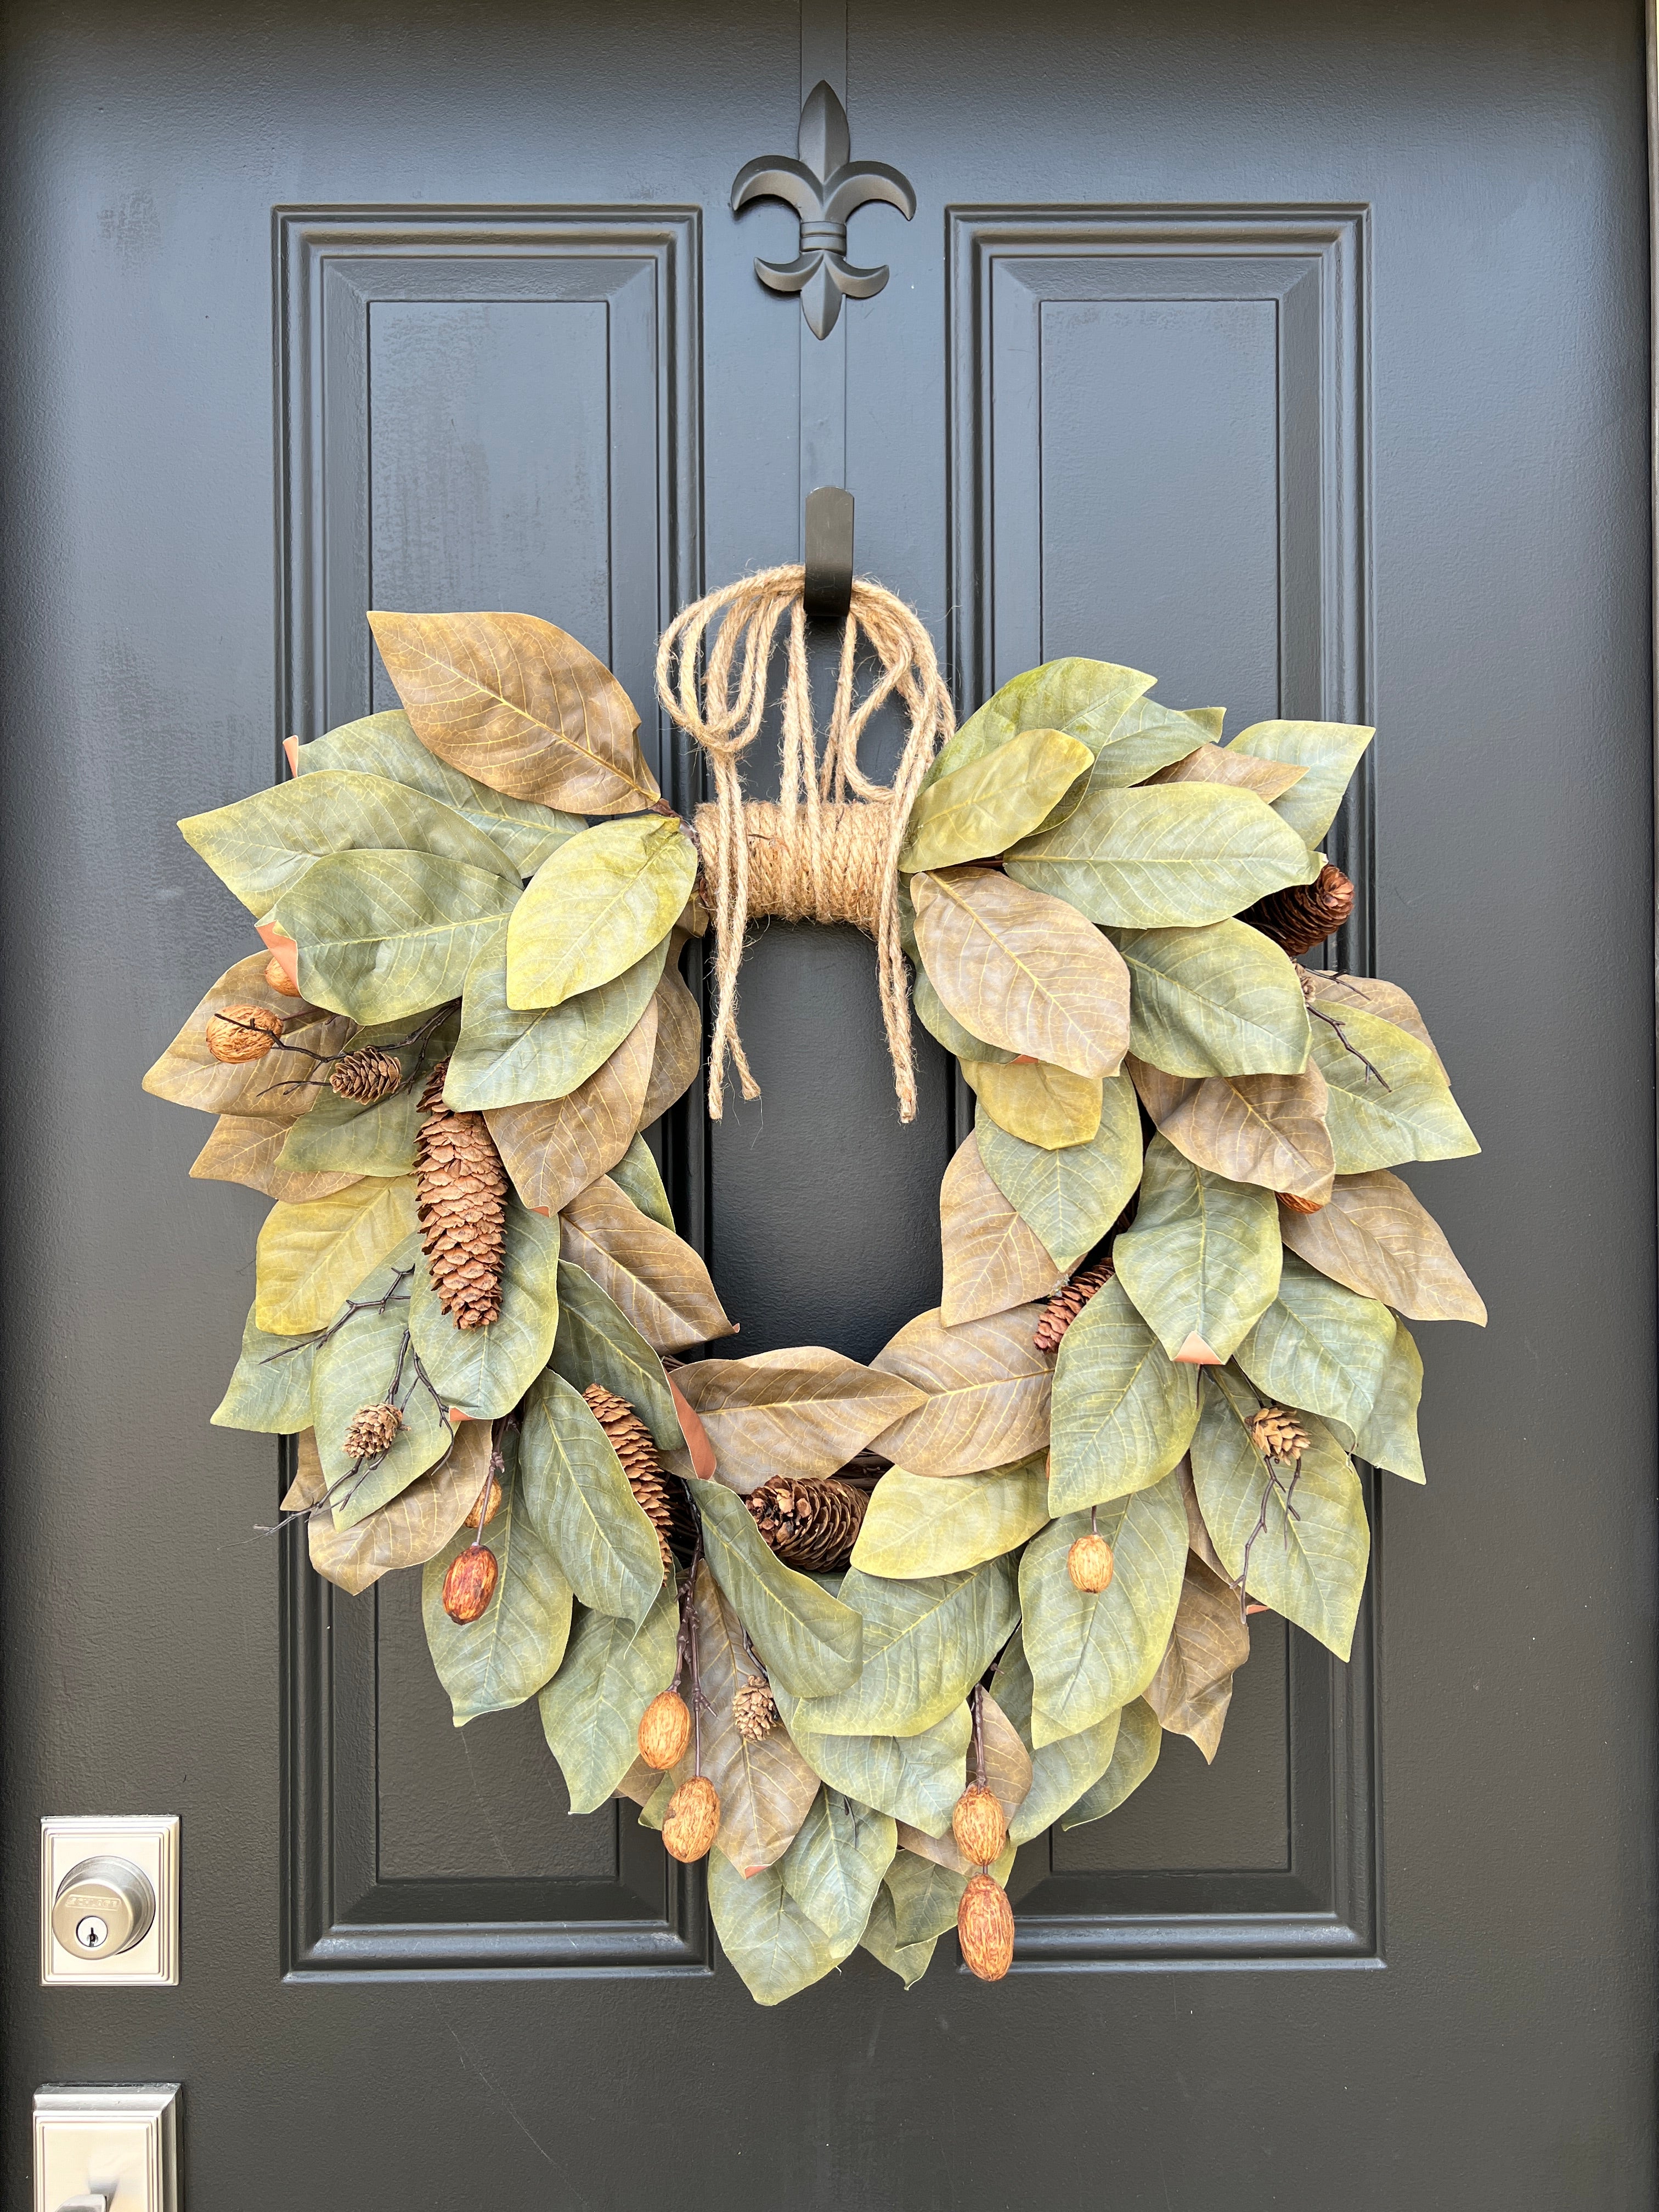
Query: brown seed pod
[
  {"x": 978, "y": 1825},
  {"x": 371, "y": 1430},
  {"x": 1089, "y": 1563},
  {"x": 492, "y": 1506},
  {"x": 692, "y": 1821},
  {"x": 279, "y": 979},
  {"x": 239, "y": 1033},
  {"x": 1295, "y": 1205},
  {"x": 664, "y": 1730},
  {"x": 471, "y": 1584},
  {"x": 985, "y": 1928}
]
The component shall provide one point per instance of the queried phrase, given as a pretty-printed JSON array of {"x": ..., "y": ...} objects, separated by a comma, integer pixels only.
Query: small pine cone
[
  {"x": 279, "y": 979},
  {"x": 692, "y": 1821},
  {"x": 368, "y": 1076},
  {"x": 461, "y": 1205},
  {"x": 469, "y": 1583},
  {"x": 1088, "y": 1564},
  {"x": 1304, "y": 914},
  {"x": 492, "y": 1506},
  {"x": 811, "y": 1522},
  {"x": 754, "y": 1708},
  {"x": 985, "y": 1928},
  {"x": 239, "y": 1033},
  {"x": 1068, "y": 1302},
  {"x": 1279, "y": 1436},
  {"x": 1292, "y": 1204},
  {"x": 661, "y": 1497},
  {"x": 979, "y": 1825},
  {"x": 664, "y": 1730},
  {"x": 371, "y": 1430}
]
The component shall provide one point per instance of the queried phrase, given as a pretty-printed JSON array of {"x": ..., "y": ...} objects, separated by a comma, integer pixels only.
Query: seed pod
[
  {"x": 492, "y": 1505},
  {"x": 1295, "y": 1205},
  {"x": 978, "y": 1825},
  {"x": 239, "y": 1033},
  {"x": 279, "y": 979},
  {"x": 471, "y": 1584},
  {"x": 664, "y": 1730},
  {"x": 985, "y": 1928},
  {"x": 692, "y": 1821},
  {"x": 1089, "y": 1563}
]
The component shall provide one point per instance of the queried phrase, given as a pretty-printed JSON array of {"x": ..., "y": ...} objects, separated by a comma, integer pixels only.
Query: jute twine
[{"x": 817, "y": 854}]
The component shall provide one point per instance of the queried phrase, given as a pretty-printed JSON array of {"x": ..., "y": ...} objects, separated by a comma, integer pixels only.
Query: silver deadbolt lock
[{"x": 102, "y": 1907}]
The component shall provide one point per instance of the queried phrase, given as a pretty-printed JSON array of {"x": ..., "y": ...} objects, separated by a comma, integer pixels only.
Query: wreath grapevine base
[{"x": 858, "y": 1631}]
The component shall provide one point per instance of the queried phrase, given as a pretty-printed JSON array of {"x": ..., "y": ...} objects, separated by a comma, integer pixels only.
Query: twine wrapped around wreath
[{"x": 817, "y": 854}]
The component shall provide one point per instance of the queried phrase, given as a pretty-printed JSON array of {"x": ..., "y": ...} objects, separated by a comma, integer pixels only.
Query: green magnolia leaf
[
  {"x": 597, "y": 1343},
  {"x": 1320, "y": 1347},
  {"x": 573, "y": 1487},
  {"x": 1201, "y": 1262},
  {"x": 247, "y": 1148},
  {"x": 1149, "y": 737},
  {"x": 262, "y": 846},
  {"x": 1308, "y": 1560},
  {"x": 1123, "y": 1411},
  {"x": 925, "y": 1895},
  {"x": 1330, "y": 751},
  {"x": 554, "y": 1147},
  {"x": 311, "y": 1257},
  {"x": 1091, "y": 1652},
  {"x": 993, "y": 1258},
  {"x": 776, "y": 1948},
  {"x": 1049, "y": 1107},
  {"x": 1140, "y": 1740},
  {"x": 1072, "y": 1196},
  {"x": 916, "y": 1779},
  {"x": 809, "y": 1640},
  {"x": 918, "y": 1525},
  {"x": 1388, "y": 1100},
  {"x": 974, "y": 812},
  {"x": 1083, "y": 699},
  {"x": 639, "y": 1178},
  {"x": 1223, "y": 1000},
  {"x": 359, "y": 1365},
  {"x": 386, "y": 745},
  {"x": 514, "y": 1648},
  {"x": 1388, "y": 1438},
  {"x": 986, "y": 1391},
  {"x": 590, "y": 1709},
  {"x": 1163, "y": 854},
  {"x": 485, "y": 1371},
  {"x": 1060, "y": 1772},
  {"x": 601, "y": 903},
  {"x": 834, "y": 1868},
  {"x": 386, "y": 935},
  {"x": 925, "y": 1644},
  {"x": 269, "y": 1388},
  {"x": 910, "y": 1961},
  {"x": 941, "y": 1023},
  {"x": 375, "y": 1138},
  {"x": 508, "y": 1058}
]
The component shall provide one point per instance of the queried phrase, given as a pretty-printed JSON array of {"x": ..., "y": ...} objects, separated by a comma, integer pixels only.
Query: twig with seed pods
[
  {"x": 1275, "y": 1481},
  {"x": 417, "y": 1038},
  {"x": 313, "y": 1338}
]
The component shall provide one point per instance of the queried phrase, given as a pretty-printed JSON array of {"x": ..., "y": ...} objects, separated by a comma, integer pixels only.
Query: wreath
[{"x": 858, "y": 1631}]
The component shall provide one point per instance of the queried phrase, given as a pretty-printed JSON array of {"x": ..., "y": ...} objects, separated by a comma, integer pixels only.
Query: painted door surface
[{"x": 1297, "y": 354}]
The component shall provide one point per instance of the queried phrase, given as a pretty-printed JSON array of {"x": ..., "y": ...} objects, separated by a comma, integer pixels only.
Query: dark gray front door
[{"x": 1299, "y": 354}]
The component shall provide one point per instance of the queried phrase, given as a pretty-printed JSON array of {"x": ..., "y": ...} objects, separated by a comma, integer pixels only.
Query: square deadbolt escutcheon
[{"x": 126, "y": 1878}]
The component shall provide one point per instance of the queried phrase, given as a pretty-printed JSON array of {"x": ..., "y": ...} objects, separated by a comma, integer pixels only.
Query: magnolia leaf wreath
[{"x": 860, "y": 1630}]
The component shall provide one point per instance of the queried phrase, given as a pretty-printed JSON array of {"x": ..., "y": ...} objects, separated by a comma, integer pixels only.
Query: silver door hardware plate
[
  {"x": 109, "y": 1900},
  {"x": 106, "y": 2149}
]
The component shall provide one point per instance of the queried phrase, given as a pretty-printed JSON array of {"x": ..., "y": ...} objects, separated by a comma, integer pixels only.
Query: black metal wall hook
[{"x": 827, "y": 593}]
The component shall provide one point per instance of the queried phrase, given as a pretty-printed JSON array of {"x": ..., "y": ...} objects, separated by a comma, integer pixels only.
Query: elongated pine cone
[
  {"x": 368, "y": 1075},
  {"x": 754, "y": 1708},
  {"x": 1068, "y": 1302},
  {"x": 371, "y": 1430},
  {"x": 461, "y": 1204},
  {"x": 1279, "y": 1436},
  {"x": 1304, "y": 914},
  {"x": 239, "y": 1033},
  {"x": 811, "y": 1522},
  {"x": 661, "y": 1497},
  {"x": 985, "y": 1928}
]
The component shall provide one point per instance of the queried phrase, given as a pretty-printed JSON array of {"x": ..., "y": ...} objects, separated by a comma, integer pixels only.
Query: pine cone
[
  {"x": 369, "y": 1075},
  {"x": 371, "y": 1430},
  {"x": 754, "y": 1708},
  {"x": 1304, "y": 914},
  {"x": 1279, "y": 1436},
  {"x": 810, "y": 1523},
  {"x": 460, "y": 1202},
  {"x": 239, "y": 1033},
  {"x": 1068, "y": 1302},
  {"x": 660, "y": 1496}
]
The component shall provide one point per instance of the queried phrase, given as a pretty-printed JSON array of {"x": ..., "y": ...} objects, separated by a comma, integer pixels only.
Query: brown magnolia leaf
[
  {"x": 1265, "y": 1129},
  {"x": 1197, "y": 1535},
  {"x": 1268, "y": 778},
  {"x": 987, "y": 1392},
  {"x": 653, "y": 1275},
  {"x": 765, "y": 1789},
  {"x": 1208, "y": 1644},
  {"x": 414, "y": 1526},
  {"x": 1008, "y": 1775},
  {"x": 555, "y": 1147},
  {"x": 993, "y": 1260},
  {"x": 243, "y": 1148},
  {"x": 1041, "y": 1105},
  {"x": 275, "y": 1088},
  {"x": 310, "y": 1485},
  {"x": 798, "y": 1413},
  {"x": 518, "y": 705},
  {"x": 679, "y": 1045},
  {"x": 1386, "y": 1001},
  {"x": 1377, "y": 1237},
  {"x": 1024, "y": 970}
]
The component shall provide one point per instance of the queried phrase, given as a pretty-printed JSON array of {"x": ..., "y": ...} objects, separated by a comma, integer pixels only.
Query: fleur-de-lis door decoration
[{"x": 823, "y": 185}]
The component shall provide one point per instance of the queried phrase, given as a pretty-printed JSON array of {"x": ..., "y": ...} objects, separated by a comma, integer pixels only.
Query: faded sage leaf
[
  {"x": 1062, "y": 1770},
  {"x": 311, "y": 1257},
  {"x": 270, "y": 1387},
  {"x": 602, "y": 902},
  {"x": 1123, "y": 1409},
  {"x": 993, "y": 1258},
  {"x": 924, "y": 1644},
  {"x": 408, "y": 1528},
  {"x": 508, "y": 1058},
  {"x": 1072, "y": 1196},
  {"x": 1047, "y": 1107},
  {"x": 383, "y": 936},
  {"x": 1330, "y": 751},
  {"x": 776, "y": 1948},
  {"x": 1388, "y": 1100},
  {"x": 1140, "y": 1740},
  {"x": 638, "y": 1177},
  {"x": 1201, "y": 1260},
  {"x": 910, "y": 1961},
  {"x": 942, "y": 1025},
  {"x": 679, "y": 1046},
  {"x": 1083, "y": 699},
  {"x": 514, "y": 1647},
  {"x": 918, "y": 1525},
  {"x": 972, "y": 813},
  {"x": 809, "y": 1640},
  {"x": 554, "y": 1147},
  {"x": 246, "y": 1149},
  {"x": 834, "y": 1868},
  {"x": 597, "y": 1343},
  {"x": 1222, "y": 1000},
  {"x": 916, "y": 1779},
  {"x": 985, "y": 1392},
  {"x": 1320, "y": 1347},
  {"x": 572, "y": 1486},
  {"x": 362, "y": 1362},
  {"x": 1388, "y": 1438},
  {"x": 590, "y": 1709},
  {"x": 651, "y": 1274}
]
